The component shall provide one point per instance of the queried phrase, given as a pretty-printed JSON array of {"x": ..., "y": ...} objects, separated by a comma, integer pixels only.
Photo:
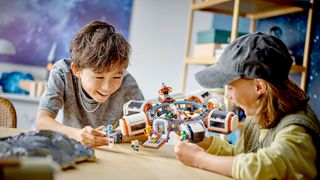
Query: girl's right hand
[{"x": 187, "y": 152}]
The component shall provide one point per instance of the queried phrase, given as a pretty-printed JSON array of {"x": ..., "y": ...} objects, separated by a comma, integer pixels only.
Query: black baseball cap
[{"x": 255, "y": 55}]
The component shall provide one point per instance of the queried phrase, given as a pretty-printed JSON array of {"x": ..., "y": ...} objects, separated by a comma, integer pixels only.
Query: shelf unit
[{"x": 252, "y": 9}]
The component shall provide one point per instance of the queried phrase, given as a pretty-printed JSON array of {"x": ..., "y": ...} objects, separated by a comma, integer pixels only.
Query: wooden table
[{"x": 122, "y": 162}]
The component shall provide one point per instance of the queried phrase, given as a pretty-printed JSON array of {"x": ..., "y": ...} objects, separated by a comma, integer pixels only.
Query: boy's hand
[
  {"x": 92, "y": 137},
  {"x": 187, "y": 152},
  {"x": 101, "y": 128}
]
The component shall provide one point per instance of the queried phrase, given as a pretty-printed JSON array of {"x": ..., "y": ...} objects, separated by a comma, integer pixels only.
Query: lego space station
[{"x": 190, "y": 117}]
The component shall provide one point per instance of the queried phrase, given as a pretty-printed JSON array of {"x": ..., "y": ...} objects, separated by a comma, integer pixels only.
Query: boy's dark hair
[{"x": 97, "y": 46}]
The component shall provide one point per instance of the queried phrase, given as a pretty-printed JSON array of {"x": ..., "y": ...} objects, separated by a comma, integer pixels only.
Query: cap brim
[{"x": 215, "y": 76}]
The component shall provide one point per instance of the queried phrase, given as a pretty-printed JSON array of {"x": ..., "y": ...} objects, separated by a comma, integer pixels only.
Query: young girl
[{"x": 281, "y": 132}]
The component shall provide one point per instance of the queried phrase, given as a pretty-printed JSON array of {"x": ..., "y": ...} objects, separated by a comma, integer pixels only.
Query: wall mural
[{"x": 33, "y": 26}]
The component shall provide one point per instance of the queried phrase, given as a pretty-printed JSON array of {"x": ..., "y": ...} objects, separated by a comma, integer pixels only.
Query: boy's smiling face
[{"x": 99, "y": 86}]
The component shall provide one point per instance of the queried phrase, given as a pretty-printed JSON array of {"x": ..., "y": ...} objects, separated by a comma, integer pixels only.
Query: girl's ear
[
  {"x": 75, "y": 70},
  {"x": 261, "y": 86}
]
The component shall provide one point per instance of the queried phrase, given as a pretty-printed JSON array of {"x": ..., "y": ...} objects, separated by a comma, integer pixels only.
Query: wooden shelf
[
  {"x": 297, "y": 69},
  {"x": 253, "y": 9},
  {"x": 213, "y": 60},
  {"x": 201, "y": 60}
]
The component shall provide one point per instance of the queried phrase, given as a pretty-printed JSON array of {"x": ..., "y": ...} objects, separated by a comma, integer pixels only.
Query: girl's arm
[{"x": 193, "y": 155}]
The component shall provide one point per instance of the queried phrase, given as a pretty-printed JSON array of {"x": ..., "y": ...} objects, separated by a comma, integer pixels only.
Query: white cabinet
[{"x": 26, "y": 109}]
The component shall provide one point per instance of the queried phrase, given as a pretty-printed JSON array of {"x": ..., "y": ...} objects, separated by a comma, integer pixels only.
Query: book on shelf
[{"x": 214, "y": 35}]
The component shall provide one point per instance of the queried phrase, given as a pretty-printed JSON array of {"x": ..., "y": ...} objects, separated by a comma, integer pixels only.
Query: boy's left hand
[
  {"x": 187, "y": 152},
  {"x": 102, "y": 129},
  {"x": 92, "y": 137}
]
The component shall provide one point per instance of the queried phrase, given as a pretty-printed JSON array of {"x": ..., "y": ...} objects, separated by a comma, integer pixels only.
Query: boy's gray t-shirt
[{"x": 63, "y": 91}]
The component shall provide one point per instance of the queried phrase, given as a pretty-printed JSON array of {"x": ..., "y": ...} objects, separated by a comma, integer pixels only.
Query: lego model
[
  {"x": 156, "y": 140},
  {"x": 148, "y": 131},
  {"x": 193, "y": 131},
  {"x": 135, "y": 107},
  {"x": 183, "y": 135},
  {"x": 164, "y": 94},
  {"x": 134, "y": 124},
  {"x": 109, "y": 129},
  {"x": 110, "y": 134},
  {"x": 200, "y": 96},
  {"x": 117, "y": 137},
  {"x": 135, "y": 145},
  {"x": 189, "y": 117},
  {"x": 221, "y": 121}
]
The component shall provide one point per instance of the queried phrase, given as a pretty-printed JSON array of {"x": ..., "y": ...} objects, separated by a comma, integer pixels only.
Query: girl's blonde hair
[{"x": 278, "y": 101}]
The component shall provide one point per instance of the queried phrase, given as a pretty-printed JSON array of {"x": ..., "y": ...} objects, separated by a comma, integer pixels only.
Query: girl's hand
[
  {"x": 92, "y": 137},
  {"x": 187, "y": 152}
]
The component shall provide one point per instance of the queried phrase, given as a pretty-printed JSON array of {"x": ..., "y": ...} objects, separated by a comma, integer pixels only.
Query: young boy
[
  {"x": 91, "y": 87},
  {"x": 281, "y": 132}
]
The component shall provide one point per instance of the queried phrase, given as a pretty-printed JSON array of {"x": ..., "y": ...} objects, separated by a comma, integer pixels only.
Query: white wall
[{"x": 158, "y": 34}]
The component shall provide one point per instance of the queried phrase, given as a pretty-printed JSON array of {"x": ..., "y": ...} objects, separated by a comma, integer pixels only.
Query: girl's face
[
  {"x": 244, "y": 93},
  {"x": 99, "y": 86}
]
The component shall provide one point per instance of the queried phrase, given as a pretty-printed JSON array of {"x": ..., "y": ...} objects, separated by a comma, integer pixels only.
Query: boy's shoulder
[
  {"x": 129, "y": 89},
  {"x": 128, "y": 80},
  {"x": 63, "y": 65}
]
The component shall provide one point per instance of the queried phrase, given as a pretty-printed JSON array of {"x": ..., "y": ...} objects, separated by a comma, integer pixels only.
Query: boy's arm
[
  {"x": 46, "y": 121},
  {"x": 87, "y": 136}
]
